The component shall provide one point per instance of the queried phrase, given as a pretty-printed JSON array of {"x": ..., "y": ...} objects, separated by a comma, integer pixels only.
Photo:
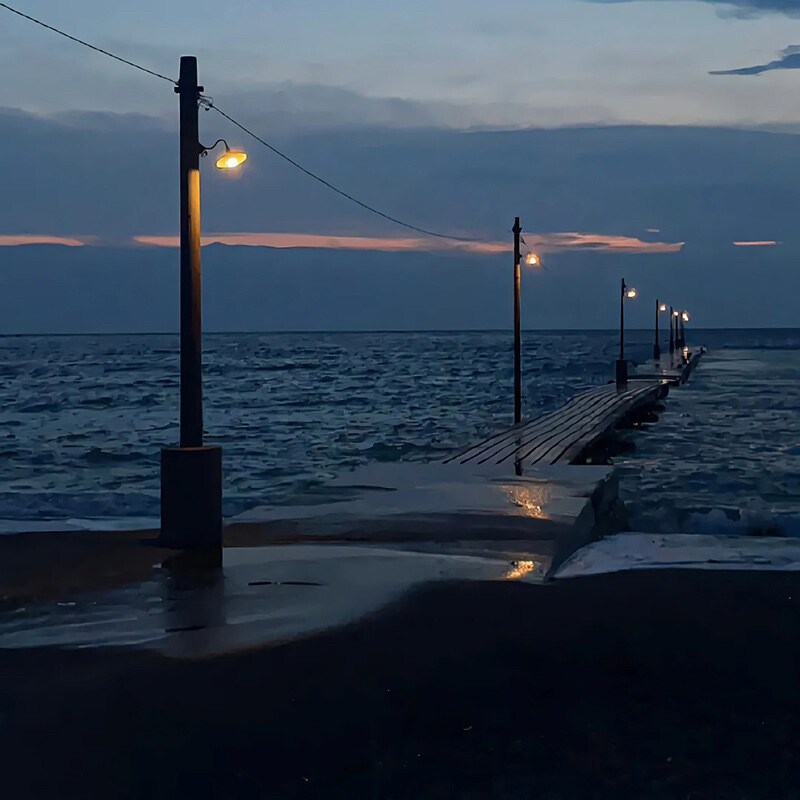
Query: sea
[{"x": 83, "y": 419}]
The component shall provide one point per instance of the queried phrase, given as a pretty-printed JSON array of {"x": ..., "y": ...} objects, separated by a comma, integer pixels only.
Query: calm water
[{"x": 83, "y": 418}]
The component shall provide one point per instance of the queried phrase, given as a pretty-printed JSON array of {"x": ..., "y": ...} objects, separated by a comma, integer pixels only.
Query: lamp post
[
  {"x": 191, "y": 474},
  {"x": 671, "y": 335},
  {"x": 656, "y": 348},
  {"x": 684, "y": 318},
  {"x": 517, "y": 333},
  {"x": 531, "y": 259},
  {"x": 622, "y": 364}
]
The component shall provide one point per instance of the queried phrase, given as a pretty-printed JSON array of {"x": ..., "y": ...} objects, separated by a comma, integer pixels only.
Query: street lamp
[
  {"x": 672, "y": 315},
  {"x": 191, "y": 474},
  {"x": 531, "y": 260},
  {"x": 660, "y": 308},
  {"x": 626, "y": 292},
  {"x": 230, "y": 159},
  {"x": 684, "y": 317}
]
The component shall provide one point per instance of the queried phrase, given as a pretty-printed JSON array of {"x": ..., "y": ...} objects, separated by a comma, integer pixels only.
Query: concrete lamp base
[
  {"x": 622, "y": 373},
  {"x": 191, "y": 498}
]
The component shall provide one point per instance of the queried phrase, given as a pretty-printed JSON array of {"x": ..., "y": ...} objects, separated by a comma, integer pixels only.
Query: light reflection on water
[{"x": 82, "y": 419}]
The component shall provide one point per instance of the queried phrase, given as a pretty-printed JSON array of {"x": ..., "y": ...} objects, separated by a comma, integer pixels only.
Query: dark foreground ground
[{"x": 669, "y": 684}]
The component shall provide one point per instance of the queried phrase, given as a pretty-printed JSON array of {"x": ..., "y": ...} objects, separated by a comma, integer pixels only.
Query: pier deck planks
[{"x": 561, "y": 436}]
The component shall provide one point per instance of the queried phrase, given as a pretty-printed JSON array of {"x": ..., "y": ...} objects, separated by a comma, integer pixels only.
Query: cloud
[
  {"x": 559, "y": 242},
  {"x": 14, "y": 240},
  {"x": 790, "y": 59},
  {"x": 742, "y": 9},
  {"x": 541, "y": 242},
  {"x": 316, "y": 241},
  {"x": 755, "y": 244}
]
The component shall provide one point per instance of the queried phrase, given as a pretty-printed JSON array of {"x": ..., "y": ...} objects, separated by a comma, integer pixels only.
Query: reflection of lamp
[{"x": 622, "y": 364}]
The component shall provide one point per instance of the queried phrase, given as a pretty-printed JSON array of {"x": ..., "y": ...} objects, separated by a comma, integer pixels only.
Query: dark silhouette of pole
[
  {"x": 191, "y": 326},
  {"x": 671, "y": 335},
  {"x": 656, "y": 348},
  {"x": 622, "y": 365},
  {"x": 517, "y": 335},
  {"x": 191, "y": 474}
]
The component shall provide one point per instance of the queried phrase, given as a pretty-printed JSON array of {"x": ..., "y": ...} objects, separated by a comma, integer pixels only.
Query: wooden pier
[
  {"x": 671, "y": 369},
  {"x": 566, "y": 435}
]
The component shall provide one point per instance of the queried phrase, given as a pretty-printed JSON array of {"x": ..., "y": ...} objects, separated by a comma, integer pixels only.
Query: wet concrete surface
[{"x": 649, "y": 684}]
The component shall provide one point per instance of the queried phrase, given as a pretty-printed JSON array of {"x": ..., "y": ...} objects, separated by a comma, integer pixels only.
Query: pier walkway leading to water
[{"x": 563, "y": 435}]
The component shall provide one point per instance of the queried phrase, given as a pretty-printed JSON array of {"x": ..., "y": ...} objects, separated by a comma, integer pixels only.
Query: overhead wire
[
  {"x": 86, "y": 44},
  {"x": 208, "y": 103}
]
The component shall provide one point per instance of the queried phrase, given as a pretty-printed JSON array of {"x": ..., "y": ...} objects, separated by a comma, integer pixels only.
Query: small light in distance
[
  {"x": 532, "y": 260},
  {"x": 662, "y": 307},
  {"x": 685, "y": 316},
  {"x": 631, "y": 292}
]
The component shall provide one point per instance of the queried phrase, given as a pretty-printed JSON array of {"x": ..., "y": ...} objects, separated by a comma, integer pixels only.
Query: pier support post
[
  {"x": 191, "y": 475},
  {"x": 517, "y": 335}
]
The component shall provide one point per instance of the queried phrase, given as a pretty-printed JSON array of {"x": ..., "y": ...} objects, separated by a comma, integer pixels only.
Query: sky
[
  {"x": 540, "y": 62},
  {"x": 451, "y": 114}
]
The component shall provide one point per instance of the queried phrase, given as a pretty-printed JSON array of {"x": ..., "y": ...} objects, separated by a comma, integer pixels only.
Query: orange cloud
[
  {"x": 546, "y": 242},
  {"x": 315, "y": 240},
  {"x": 13, "y": 240},
  {"x": 557, "y": 242},
  {"x": 755, "y": 244}
]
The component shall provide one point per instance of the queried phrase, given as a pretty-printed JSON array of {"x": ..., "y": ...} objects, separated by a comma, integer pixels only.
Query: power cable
[
  {"x": 208, "y": 103},
  {"x": 86, "y": 44}
]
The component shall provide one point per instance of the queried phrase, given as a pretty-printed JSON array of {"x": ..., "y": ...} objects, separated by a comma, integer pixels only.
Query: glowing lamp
[
  {"x": 532, "y": 260},
  {"x": 685, "y": 316},
  {"x": 631, "y": 293},
  {"x": 662, "y": 307},
  {"x": 676, "y": 313},
  {"x": 231, "y": 159}
]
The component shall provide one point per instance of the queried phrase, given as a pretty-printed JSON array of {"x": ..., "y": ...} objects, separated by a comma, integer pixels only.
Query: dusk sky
[
  {"x": 377, "y": 97},
  {"x": 546, "y": 62}
]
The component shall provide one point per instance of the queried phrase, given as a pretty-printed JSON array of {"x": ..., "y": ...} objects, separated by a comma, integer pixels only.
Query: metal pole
[
  {"x": 517, "y": 336},
  {"x": 622, "y": 365},
  {"x": 622, "y": 321},
  {"x": 191, "y": 475},
  {"x": 671, "y": 335},
  {"x": 656, "y": 348},
  {"x": 191, "y": 346}
]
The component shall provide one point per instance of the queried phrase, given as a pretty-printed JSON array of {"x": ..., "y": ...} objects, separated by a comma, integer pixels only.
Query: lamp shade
[{"x": 231, "y": 159}]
